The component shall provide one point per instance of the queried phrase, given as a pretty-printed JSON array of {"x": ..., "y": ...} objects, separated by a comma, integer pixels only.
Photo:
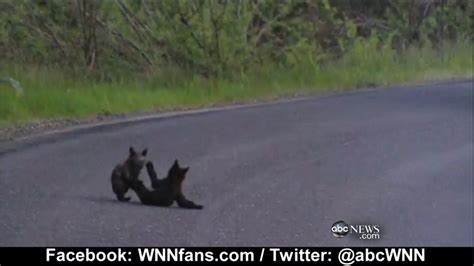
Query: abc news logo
[{"x": 341, "y": 229}]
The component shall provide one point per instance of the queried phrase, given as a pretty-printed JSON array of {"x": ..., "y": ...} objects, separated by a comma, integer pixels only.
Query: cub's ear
[
  {"x": 174, "y": 167},
  {"x": 132, "y": 151},
  {"x": 144, "y": 152},
  {"x": 185, "y": 170}
]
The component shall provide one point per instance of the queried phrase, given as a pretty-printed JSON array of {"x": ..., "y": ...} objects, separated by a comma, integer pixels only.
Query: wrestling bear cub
[{"x": 164, "y": 191}]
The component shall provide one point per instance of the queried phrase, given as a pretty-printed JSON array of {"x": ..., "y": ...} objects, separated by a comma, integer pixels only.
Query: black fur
[{"x": 165, "y": 191}]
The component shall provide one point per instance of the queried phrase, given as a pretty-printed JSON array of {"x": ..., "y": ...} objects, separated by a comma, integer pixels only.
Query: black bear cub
[
  {"x": 165, "y": 191},
  {"x": 126, "y": 172}
]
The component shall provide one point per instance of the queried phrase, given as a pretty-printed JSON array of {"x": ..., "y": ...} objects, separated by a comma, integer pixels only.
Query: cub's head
[
  {"x": 136, "y": 159},
  {"x": 177, "y": 173}
]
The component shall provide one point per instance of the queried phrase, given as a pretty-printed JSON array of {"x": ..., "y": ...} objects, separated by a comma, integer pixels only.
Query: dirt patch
[{"x": 37, "y": 127}]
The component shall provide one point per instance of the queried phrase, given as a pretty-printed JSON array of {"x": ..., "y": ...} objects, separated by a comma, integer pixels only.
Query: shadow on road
[{"x": 110, "y": 200}]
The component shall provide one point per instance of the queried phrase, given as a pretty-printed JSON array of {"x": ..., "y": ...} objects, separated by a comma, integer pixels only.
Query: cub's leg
[
  {"x": 155, "y": 182},
  {"x": 121, "y": 197},
  {"x": 120, "y": 188},
  {"x": 187, "y": 204}
]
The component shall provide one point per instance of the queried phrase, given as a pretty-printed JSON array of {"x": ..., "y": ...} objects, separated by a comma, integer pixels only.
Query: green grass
[{"x": 49, "y": 93}]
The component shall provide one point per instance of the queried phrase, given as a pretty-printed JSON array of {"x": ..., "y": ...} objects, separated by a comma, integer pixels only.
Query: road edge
[{"x": 49, "y": 136}]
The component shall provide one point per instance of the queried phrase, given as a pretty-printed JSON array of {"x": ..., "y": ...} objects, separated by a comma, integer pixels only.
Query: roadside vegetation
[{"x": 83, "y": 58}]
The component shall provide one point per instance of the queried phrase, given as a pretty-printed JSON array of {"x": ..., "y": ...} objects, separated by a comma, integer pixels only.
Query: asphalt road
[{"x": 274, "y": 175}]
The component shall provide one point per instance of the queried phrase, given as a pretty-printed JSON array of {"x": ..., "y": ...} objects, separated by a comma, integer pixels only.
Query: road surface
[{"x": 273, "y": 175}]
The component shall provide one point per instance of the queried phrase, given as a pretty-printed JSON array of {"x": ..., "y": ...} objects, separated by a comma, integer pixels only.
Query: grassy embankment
[{"x": 50, "y": 93}]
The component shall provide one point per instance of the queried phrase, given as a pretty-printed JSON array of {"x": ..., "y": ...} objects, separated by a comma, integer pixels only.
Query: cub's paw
[
  {"x": 124, "y": 199},
  {"x": 197, "y": 207}
]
